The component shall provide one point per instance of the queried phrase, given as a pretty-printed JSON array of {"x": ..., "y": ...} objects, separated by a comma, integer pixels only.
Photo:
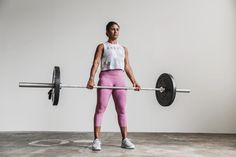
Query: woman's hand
[
  {"x": 137, "y": 86},
  {"x": 90, "y": 84}
]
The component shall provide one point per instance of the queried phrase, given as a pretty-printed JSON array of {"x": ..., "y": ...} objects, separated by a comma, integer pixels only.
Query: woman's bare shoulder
[{"x": 100, "y": 46}]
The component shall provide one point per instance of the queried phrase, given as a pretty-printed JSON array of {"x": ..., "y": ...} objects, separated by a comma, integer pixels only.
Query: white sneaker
[
  {"x": 127, "y": 144},
  {"x": 96, "y": 146}
]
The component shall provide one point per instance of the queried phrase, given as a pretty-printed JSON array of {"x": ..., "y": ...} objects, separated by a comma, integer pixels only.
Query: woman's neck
[{"x": 112, "y": 41}]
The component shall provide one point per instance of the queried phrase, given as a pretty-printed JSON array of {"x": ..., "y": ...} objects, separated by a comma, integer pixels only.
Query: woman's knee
[{"x": 100, "y": 109}]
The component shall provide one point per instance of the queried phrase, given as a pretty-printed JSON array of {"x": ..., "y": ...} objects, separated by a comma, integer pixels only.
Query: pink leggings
[{"x": 111, "y": 78}]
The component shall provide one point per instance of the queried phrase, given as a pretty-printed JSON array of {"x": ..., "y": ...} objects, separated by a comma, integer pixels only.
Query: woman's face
[{"x": 113, "y": 32}]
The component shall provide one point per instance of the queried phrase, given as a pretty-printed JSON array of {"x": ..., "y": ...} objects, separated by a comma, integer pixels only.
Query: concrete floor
[{"x": 74, "y": 144}]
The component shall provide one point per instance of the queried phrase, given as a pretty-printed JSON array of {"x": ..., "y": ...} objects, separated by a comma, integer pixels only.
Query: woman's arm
[
  {"x": 129, "y": 71},
  {"x": 96, "y": 62}
]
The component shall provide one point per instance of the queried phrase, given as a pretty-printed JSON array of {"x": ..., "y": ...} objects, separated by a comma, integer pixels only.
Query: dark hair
[{"x": 111, "y": 23}]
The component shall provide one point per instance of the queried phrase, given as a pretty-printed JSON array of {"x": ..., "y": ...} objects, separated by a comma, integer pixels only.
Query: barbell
[{"x": 165, "y": 90}]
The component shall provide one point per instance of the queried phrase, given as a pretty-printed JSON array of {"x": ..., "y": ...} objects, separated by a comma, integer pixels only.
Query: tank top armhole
[
  {"x": 123, "y": 47},
  {"x": 103, "y": 49}
]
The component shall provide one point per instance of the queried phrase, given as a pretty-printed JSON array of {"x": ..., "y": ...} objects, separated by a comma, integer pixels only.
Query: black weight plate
[
  {"x": 56, "y": 81},
  {"x": 167, "y": 97}
]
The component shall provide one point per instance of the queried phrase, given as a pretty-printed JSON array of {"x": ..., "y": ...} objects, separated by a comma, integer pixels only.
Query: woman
[{"x": 114, "y": 61}]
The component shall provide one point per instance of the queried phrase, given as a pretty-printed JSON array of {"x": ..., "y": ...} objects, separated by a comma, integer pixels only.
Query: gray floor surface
[{"x": 74, "y": 144}]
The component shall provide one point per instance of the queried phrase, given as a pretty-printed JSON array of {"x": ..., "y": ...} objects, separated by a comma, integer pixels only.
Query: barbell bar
[
  {"x": 165, "y": 88},
  {"x": 50, "y": 85}
]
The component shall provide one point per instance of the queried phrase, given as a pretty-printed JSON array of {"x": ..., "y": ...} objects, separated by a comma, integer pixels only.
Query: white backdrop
[{"x": 194, "y": 40}]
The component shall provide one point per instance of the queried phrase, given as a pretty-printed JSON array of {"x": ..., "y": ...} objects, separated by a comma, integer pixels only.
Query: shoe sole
[
  {"x": 96, "y": 149},
  {"x": 127, "y": 147}
]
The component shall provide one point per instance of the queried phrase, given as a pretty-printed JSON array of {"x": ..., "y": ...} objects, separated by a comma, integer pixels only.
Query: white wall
[{"x": 192, "y": 39}]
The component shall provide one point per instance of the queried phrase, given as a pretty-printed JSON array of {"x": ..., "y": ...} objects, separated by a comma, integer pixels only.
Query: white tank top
[{"x": 113, "y": 57}]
